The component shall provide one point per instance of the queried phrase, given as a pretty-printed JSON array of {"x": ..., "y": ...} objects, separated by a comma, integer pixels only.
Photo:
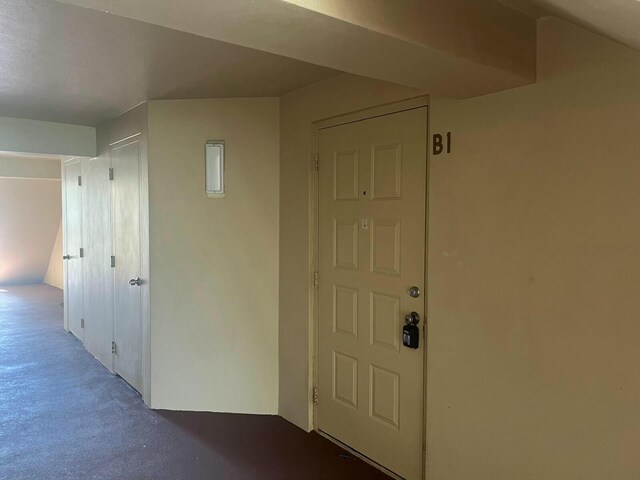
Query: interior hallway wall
[
  {"x": 53, "y": 276},
  {"x": 214, "y": 261},
  {"x": 534, "y": 266},
  {"x": 30, "y": 212},
  {"x": 29, "y": 166},
  {"x": 533, "y": 261},
  {"x": 299, "y": 109}
]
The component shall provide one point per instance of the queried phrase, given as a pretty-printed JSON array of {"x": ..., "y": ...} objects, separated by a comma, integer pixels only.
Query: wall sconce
[{"x": 214, "y": 168}]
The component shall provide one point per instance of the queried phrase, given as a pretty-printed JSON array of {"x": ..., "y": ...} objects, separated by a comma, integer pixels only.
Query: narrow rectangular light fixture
[{"x": 214, "y": 168}]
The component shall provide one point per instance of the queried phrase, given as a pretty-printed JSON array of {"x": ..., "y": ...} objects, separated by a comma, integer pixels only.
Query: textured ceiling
[{"x": 68, "y": 64}]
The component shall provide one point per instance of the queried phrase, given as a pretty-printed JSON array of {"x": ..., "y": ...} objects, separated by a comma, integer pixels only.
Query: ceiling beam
[
  {"x": 457, "y": 48},
  {"x": 33, "y": 136}
]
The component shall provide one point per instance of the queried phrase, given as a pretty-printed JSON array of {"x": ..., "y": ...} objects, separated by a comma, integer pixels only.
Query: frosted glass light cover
[{"x": 214, "y": 155}]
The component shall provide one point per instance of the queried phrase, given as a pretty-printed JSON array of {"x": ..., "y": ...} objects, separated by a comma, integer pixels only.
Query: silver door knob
[
  {"x": 66, "y": 257},
  {"x": 135, "y": 281},
  {"x": 412, "y": 319},
  {"x": 414, "y": 292}
]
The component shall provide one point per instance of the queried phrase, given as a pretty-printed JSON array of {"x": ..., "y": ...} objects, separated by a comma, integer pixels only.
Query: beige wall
[
  {"x": 30, "y": 211},
  {"x": 299, "y": 109},
  {"x": 29, "y": 166},
  {"x": 534, "y": 261},
  {"x": 533, "y": 258},
  {"x": 53, "y": 276},
  {"x": 25, "y": 241},
  {"x": 214, "y": 261}
]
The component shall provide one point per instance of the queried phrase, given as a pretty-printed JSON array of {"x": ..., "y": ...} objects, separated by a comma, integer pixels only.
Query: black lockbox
[{"x": 411, "y": 335}]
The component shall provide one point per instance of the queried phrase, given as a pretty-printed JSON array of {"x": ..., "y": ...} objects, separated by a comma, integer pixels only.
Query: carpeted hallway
[{"x": 64, "y": 416}]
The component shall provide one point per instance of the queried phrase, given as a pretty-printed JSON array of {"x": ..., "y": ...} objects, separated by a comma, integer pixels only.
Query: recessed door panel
[
  {"x": 384, "y": 394},
  {"x": 385, "y": 247},
  {"x": 345, "y": 379},
  {"x": 385, "y": 320},
  {"x": 345, "y": 245},
  {"x": 372, "y": 192},
  {"x": 386, "y": 171},
  {"x": 346, "y": 175},
  {"x": 345, "y": 310}
]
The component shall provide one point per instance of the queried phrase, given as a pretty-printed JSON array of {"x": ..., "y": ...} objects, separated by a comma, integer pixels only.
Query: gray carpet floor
[{"x": 64, "y": 416}]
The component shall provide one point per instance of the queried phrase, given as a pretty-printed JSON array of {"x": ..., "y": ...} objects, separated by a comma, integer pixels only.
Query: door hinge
[
  {"x": 82, "y": 323},
  {"x": 79, "y": 181},
  {"x": 111, "y": 173},
  {"x": 315, "y": 395},
  {"x": 315, "y": 279},
  {"x": 113, "y": 347},
  {"x": 113, "y": 261},
  {"x": 81, "y": 252},
  {"x": 316, "y": 162}
]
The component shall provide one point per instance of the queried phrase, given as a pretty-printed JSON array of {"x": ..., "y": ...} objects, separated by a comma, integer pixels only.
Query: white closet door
[
  {"x": 73, "y": 246},
  {"x": 125, "y": 161},
  {"x": 98, "y": 303}
]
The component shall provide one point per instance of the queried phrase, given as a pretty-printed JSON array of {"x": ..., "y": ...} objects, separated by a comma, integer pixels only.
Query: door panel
[
  {"x": 73, "y": 244},
  {"x": 372, "y": 200},
  {"x": 96, "y": 200},
  {"x": 125, "y": 160}
]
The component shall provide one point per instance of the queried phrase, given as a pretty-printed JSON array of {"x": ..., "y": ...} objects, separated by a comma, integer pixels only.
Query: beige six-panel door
[{"x": 372, "y": 187}]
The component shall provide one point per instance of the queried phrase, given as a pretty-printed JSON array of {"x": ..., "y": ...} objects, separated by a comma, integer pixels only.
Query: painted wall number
[{"x": 440, "y": 143}]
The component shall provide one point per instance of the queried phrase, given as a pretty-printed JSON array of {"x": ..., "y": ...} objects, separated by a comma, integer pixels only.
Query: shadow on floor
[{"x": 268, "y": 447}]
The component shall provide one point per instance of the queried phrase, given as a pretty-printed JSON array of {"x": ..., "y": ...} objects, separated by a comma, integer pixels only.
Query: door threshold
[{"x": 360, "y": 456}]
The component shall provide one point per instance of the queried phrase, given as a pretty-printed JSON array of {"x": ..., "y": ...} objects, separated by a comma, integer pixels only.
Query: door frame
[{"x": 314, "y": 252}]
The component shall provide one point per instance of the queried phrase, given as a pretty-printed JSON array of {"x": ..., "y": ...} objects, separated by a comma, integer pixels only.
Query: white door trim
[{"x": 314, "y": 189}]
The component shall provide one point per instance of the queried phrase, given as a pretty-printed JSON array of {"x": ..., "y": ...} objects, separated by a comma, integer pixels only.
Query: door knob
[
  {"x": 135, "y": 281},
  {"x": 414, "y": 292},
  {"x": 412, "y": 319},
  {"x": 66, "y": 257}
]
